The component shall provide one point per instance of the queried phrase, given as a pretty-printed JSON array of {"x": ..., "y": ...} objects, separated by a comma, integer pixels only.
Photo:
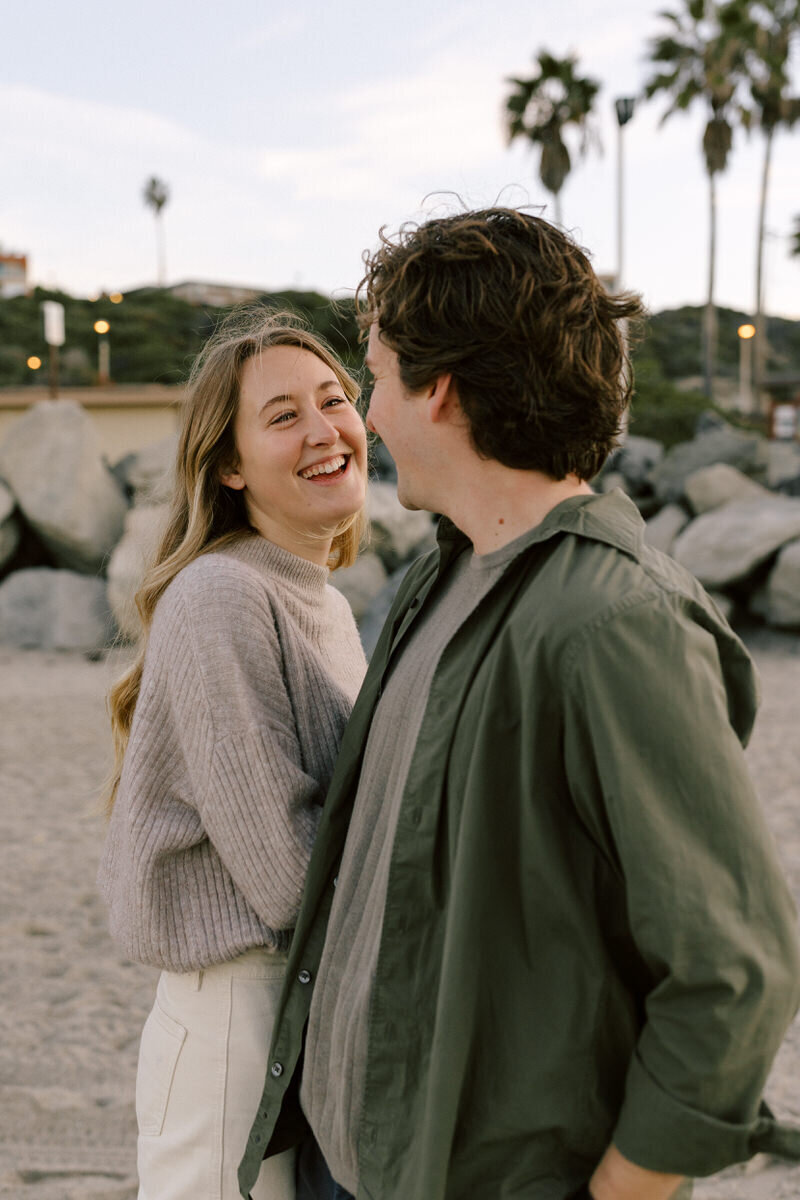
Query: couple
[{"x": 544, "y": 948}]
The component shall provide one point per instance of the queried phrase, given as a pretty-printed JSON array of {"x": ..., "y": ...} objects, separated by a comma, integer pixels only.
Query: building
[
  {"x": 215, "y": 295},
  {"x": 13, "y": 275}
]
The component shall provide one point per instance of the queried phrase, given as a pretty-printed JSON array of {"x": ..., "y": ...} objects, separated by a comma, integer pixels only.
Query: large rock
[
  {"x": 374, "y": 618},
  {"x": 44, "y": 609},
  {"x": 149, "y": 474},
  {"x": 397, "y": 533},
  {"x": 724, "y": 546},
  {"x": 361, "y": 583},
  {"x": 126, "y": 568},
  {"x": 636, "y": 460},
  {"x": 9, "y": 526},
  {"x": 719, "y": 484},
  {"x": 783, "y": 464},
  {"x": 724, "y": 444},
  {"x": 662, "y": 529},
  {"x": 781, "y": 596},
  {"x": 51, "y": 460}
]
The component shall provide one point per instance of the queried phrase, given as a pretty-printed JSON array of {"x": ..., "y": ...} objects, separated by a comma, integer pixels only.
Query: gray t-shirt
[{"x": 336, "y": 1045}]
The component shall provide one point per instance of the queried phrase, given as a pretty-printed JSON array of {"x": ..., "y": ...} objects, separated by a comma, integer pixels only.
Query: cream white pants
[{"x": 202, "y": 1064}]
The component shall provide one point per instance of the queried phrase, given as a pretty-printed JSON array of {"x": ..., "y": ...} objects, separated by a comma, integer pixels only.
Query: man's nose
[{"x": 368, "y": 420}]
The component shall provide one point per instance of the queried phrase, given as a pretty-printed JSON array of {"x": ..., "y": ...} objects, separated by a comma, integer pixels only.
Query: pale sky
[{"x": 289, "y": 133}]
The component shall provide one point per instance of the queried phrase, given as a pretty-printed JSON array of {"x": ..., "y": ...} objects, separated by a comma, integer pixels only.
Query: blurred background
[{"x": 163, "y": 162}]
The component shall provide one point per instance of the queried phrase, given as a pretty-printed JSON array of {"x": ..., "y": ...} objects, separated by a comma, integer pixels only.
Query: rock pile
[
  {"x": 76, "y": 534},
  {"x": 727, "y": 506}
]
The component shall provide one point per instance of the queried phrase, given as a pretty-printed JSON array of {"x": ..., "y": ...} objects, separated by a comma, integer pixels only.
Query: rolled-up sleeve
[{"x": 658, "y": 776}]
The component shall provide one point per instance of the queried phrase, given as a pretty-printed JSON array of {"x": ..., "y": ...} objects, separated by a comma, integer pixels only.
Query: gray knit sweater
[{"x": 252, "y": 667}]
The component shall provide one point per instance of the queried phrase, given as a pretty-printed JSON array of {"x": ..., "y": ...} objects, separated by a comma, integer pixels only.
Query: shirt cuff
[{"x": 660, "y": 1133}]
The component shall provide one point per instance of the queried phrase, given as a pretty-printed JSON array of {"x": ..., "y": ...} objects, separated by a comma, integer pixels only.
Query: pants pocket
[{"x": 162, "y": 1039}]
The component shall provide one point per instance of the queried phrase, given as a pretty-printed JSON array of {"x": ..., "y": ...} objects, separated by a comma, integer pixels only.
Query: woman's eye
[
  {"x": 335, "y": 400},
  {"x": 282, "y": 418}
]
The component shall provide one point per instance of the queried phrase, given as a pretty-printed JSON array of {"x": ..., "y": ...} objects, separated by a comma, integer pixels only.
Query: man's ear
[{"x": 442, "y": 400}]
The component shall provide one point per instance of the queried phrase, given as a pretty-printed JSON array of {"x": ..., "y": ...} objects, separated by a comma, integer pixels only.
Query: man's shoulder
[{"x": 589, "y": 588}]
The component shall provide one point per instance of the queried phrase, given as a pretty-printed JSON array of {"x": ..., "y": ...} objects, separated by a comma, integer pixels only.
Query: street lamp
[
  {"x": 101, "y": 328},
  {"x": 624, "y": 107},
  {"x": 34, "y": 362},
  {"x": 746, "y": 334}
]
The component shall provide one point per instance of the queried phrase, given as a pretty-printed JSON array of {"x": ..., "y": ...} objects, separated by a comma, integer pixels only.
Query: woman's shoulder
[{"x": 216, "y": 588}]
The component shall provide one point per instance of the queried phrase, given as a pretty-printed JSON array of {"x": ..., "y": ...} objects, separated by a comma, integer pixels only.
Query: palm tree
[
  {"x": 703, "y": 56},
  {"x": 156, "y": 195},
  {"x": 774, "y": 22},
  {"x": 540, "y": 108}
]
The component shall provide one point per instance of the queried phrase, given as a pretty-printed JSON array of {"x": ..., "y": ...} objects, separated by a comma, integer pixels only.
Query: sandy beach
[{"x": 72, "y": 1008}]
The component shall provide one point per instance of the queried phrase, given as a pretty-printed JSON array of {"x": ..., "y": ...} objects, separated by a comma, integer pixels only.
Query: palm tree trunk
[
  {"x": 760, "y": 359},
  {"x": 162, "y": 258},
  {"x": 557, "y": 207},
  {"x": 710, "y": 332}
]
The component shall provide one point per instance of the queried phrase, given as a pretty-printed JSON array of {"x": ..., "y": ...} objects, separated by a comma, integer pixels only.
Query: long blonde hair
[{"x": 204, "y": 514}]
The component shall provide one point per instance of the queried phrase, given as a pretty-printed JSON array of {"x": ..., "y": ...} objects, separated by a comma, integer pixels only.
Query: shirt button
[
  {"x": 276, "y": 1070},
  {"x": 304, "y": 976}
]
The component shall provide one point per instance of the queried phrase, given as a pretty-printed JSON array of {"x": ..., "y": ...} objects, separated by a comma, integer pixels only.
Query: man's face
[{"x": 396, "y": 415}]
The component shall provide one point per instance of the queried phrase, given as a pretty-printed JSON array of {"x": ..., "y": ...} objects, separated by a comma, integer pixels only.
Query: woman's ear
[{"x": 230, "y": 477}]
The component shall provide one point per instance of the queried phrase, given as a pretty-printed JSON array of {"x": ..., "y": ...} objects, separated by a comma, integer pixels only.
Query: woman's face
[{"x": 302, "y": 450}]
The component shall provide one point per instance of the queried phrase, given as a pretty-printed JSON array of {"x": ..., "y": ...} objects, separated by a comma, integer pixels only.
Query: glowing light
[
  {"x": 746, "y": 331},
  {"x": 101, "y": 326},
  {"x": 116, "y": 297},
  {"x": 34, "y": 363}
]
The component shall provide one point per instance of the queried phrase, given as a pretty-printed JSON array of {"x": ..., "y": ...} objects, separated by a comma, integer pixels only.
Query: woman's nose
[{"x": 323, "y": 432}]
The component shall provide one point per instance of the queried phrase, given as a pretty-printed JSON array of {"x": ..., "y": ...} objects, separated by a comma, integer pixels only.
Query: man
[{"x": 559, "y": 955}]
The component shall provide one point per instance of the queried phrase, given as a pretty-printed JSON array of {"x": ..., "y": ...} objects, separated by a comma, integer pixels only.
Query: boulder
[
  {"x": 636, "y": 459},
  {"x": 148, "y": 475},
  {"x": 361, "y": 583},
  {"x": 612, "y": 481},
  {"x": 374, "y": 618},
  {"x": 662, "y": 529},
  {"x": 129, "y": 561},
  {"x": 781, "y": 595},
  {"x": 783, "y": 463},
  {"x": 9, "y": 526},
  {"x": 727, "y": 544},
  {"x": 718, "y": 444},
  {"x": 719, "y": 484},
  {"x": 397, "y": 533},
  {"x": 51, "y": 460},
  {"x": 46, "y": 609}
]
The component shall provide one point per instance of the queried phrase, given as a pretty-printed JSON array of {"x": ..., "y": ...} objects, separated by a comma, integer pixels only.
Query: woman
[{"x": 226, "y": 730}]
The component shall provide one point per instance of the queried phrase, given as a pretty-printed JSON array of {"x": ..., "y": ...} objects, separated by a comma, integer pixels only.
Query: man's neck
[{"x": 501, "y": 504}]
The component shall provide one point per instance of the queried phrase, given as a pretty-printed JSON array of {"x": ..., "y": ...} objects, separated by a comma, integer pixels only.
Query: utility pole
[{"x": 624, "y": 107}]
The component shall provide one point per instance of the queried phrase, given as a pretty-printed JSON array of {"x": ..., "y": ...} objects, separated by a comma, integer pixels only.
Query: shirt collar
[{"x": 611, "y": 518}]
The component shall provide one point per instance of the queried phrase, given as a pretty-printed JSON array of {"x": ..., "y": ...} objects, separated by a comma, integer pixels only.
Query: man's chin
[{"x": 405, "y": 500}]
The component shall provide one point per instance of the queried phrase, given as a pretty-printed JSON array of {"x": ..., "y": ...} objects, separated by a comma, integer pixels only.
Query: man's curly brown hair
[{"x": 511, "y": 306}]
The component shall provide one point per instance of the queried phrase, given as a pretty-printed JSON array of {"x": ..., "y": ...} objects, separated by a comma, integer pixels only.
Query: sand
[{"x": 72, "y": 1008}]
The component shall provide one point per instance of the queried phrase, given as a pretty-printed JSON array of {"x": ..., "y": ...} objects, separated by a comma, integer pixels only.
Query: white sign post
[{"x": 53, "y": 313}]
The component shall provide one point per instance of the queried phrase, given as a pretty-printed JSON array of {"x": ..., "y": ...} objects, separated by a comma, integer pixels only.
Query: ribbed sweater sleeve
[{"x": 258, "y": 807}]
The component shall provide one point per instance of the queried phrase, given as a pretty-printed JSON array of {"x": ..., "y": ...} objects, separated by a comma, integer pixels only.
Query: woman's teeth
[{"x": 328, "y": 468}]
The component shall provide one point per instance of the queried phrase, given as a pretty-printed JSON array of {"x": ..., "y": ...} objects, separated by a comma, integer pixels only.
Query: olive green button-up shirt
[{"x": 587, "y": 937}]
